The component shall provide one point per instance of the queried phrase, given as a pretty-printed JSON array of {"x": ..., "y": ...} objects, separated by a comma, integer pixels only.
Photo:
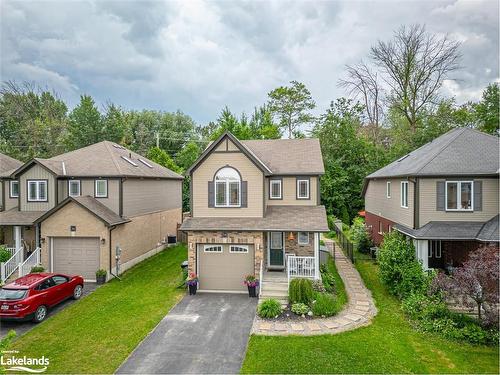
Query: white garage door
[
  {"x": 224, "y": 267},
  {"x": 76, "y": 256}
]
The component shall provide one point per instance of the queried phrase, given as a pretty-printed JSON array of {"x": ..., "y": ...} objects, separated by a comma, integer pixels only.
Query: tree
[
  {"x": 114, "y": 124},
  {"x": 477, "y": 281},
  {"x": 159, "y": 156},
  {"x": 85, "y": 124},
  {"x": 291, "y": 105},
  {"x": 187, "y": 156},
  {"x": 414, "y": 65},
  {"x": 487, "y": 110}
]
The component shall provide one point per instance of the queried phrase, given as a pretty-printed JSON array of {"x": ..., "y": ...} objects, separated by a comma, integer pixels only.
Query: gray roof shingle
[
  {"x": 461, "y": 151},
  {"x": 277, "y": 218},
  {"x": 16, "y": 217},
  {"x": 8, "y": 165}
]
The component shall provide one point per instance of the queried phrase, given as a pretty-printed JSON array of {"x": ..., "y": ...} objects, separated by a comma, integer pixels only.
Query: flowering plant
[
  {"x": 192, "y": 279},
  {"x": 251, "y": 281}
]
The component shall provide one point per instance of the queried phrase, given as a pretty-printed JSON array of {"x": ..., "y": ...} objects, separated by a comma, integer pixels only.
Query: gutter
[{"x": 111, "y": 254}]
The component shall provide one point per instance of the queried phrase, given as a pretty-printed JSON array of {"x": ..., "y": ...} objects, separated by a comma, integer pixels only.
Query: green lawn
[
  {"x": 389, "y": 345},
  {"x": 97, "y": 334}
]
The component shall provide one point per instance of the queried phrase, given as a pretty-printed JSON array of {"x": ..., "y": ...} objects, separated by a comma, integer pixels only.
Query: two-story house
[
  {"x": 72, "y": 211},
  {"x": 255, "y": 207},
  {"x": 444, "y": 195},
  {"x": 9, "y": 189}
]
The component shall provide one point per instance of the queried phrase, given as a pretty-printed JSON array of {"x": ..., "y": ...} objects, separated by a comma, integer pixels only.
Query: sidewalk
[{"x": 358, "y": 312}]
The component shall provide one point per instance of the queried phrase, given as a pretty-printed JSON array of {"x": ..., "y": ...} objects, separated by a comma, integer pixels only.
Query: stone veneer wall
[
  {"x": 299, "y": 250},
  {"x": 255, "y": 238}
]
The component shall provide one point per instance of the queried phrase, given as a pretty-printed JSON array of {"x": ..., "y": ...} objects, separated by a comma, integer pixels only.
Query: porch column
[
  {"x": 421, "y": 252},
  {"x": 37, "y": 235},
  {"x": 316, "y": 255},
  {"x": 17, "y": 237}
]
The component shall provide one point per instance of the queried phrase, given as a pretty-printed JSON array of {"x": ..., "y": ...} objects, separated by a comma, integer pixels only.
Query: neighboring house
[
  {"x": 9, "y": 188},
  {"x": 74, "y": 209},
  {"x": 255, "y": 206},
  {"x": 444, "y": 195}
]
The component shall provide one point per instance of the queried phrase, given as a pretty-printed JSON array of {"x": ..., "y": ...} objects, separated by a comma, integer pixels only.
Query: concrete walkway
[{"x": 358, "y": 312}]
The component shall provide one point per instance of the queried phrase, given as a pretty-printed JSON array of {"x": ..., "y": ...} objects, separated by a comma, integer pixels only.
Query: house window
[
  {"x": 227, "y": 188},
  {"x": 74, "y": 188},
  {"x": 275, "y": 189},
  {"x": 212, "y": 248},
  {"x": 404, "y": 194},
  {"x": 459, "y": 195},
  {"x": 238, "y": 249},
  {"x": 303, "y": 238},
  {"x": 388, "y": 189},
  {"x": 302, "y": 189},
  {"x": 380, "y": 227},
  {"x": 14, "y": 189},
  {"x": 37, "y": 190},
  {"x": 434, "y": 249},
  {"x": 101, "y": 188}
]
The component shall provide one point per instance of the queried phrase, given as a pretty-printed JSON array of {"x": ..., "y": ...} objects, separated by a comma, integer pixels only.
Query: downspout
[
  {"x": 416, "y": 203},
  {"x": 111, "y": 254}
]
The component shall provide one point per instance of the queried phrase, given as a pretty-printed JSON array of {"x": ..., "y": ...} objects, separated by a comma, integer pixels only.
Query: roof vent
[
  {"x": 129, "y": 161},
  {"x": 145, "y": 163}
]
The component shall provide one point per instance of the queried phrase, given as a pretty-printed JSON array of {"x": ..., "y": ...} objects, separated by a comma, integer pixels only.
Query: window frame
[
  {"x": 297, "y": 187},
  {"x": 432, "y": 249},
  {"x": 37, "y": 183},
  {"x": 79, "y": 188},
  {"x": 206, "y": 248},
  {"x": 300, "y": 242},
  {"x": 95, "y": 188},
  {"x": 227, "y": 183},
  {"x": 380, "y": 227},
  {"x": 10, "y": 189},
  {"x": 246, "y": 247},
  {"x": 271, "y": 183},
  {"x": 388, "y": 190},
  {"x": 404, "y": 194},
  {"x": 459, "y": 193}
]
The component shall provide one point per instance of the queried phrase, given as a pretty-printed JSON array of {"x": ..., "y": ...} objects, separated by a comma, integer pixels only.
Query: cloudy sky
[{"x": 198, "y": 56}]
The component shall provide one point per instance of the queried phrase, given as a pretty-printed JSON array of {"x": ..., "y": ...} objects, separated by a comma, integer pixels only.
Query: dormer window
[{"x": 227, "y": 188}]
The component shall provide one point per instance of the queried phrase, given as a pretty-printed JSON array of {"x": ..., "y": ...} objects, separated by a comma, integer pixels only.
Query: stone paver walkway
[{"x": 358, "y": 312}]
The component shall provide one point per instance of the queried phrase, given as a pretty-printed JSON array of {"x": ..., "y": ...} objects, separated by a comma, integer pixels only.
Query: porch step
[{"x": 275, "y": 287}]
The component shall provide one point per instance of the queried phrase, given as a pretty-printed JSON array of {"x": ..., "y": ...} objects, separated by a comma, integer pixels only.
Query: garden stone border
[{"x": 358, "y": 312}]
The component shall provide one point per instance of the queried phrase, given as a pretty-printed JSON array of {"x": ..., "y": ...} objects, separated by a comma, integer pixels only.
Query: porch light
[
  {"x": 42, "y": 240},
  {"x": 291, "y": 237},
  {"x": 103, "y": 241}
]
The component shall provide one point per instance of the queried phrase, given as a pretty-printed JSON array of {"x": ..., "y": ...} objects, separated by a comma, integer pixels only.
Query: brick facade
[
  {"x": 292, "y": 246},
  {"x": 373, "y": 223}
]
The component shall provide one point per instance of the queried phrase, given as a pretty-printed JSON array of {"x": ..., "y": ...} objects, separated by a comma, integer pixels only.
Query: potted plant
[
  {"x": 100, "y": 276},
  {"x": 192, "y": 283},
  {"x": 252, "y": 283}
]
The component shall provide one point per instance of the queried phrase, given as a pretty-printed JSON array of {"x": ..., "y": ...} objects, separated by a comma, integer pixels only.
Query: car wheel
[
  {"x": 40, "y": 314},
  {"x": 77, "y": 292}
]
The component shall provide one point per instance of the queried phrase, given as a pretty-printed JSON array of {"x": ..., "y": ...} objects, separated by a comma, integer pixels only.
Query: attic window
[
  {"x": 129, "y": 161},
  {"x": 145, "y": 163}
]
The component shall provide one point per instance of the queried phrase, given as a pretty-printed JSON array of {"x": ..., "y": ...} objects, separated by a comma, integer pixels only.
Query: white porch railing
[
  {"x": 8, "y": 268},
  {"x": 11, "y": 250},
  {"x": 30, "y": 262},
  {"x": 300, "y": 267}
]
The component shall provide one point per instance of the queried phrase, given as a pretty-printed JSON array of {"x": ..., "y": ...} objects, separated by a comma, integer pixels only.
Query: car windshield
[{"x": 12, "y": 294}]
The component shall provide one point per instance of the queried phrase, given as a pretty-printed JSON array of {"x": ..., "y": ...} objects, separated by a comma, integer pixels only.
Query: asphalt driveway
[
  {"x": 204, "y": 334},
  {"x": 22, "y": 327}
]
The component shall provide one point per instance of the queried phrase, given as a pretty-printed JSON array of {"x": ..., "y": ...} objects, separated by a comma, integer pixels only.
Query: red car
[{"x": 30, "y": 296}]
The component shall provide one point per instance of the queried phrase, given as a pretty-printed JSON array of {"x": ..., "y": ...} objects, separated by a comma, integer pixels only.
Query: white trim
[
  {"x": 38, "y": 184},
  {"x": 145, "y": 163},
  {"x": 271, "y": 182},
  {"x": 10, "y": 189},
  {"x": 459, "y": 193},
  {"x": 209, "y": 246},
  {"x": 95, "y": 187},
  {"x": 227, "y": 183},
  {"x": 130, "y": 161},
  {"x": 302, "y": 243},
  {"x": 404, "y": 194},
  {"x": 298, "y": 188},
  {"x": 79, "y": 188},
  {"x": 269, "y": 265},
  {"x": 245, "y": 247},
  {"x": 317, "y": 274},
  {"x": 388, "y": 189}
]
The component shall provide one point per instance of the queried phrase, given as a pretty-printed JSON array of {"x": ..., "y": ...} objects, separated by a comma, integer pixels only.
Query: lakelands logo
[{"x": 11, "y": 362}]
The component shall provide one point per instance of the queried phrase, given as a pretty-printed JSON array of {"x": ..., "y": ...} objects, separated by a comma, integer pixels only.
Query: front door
[{"x": 276, "y": 251}]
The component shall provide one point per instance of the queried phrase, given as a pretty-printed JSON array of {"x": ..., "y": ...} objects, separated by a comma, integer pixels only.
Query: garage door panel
[
  {"x": 76, "y": 255},
  {"x": 224, "y": 271}
]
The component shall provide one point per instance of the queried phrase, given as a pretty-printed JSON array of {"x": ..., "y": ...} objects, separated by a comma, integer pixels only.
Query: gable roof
[
  {"x": 92, "y": 205},
  {"x": 461, "y": 151},
  {"x": 8, "y": 165},
  {"x": 103, "y": 159},
  {"x": 276, "y": 156}
]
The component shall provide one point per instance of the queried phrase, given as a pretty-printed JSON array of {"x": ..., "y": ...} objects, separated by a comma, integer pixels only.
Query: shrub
[
  {"x": 325, "y": 305},
  {"x": 327, "y": 278},
  {"x": 270, "y": 308},
  {"x": 300, "y": 308},
  {"x": 101, "y": 273},
  {"x": 360, "y": 235},
  {"x": 399, "y": 269},
  {"x": 37, "y": 269},
  {"x": 318, "y": 286},
  {"x": 4, "y": 254},
  {"x": 300, "y": 291}
]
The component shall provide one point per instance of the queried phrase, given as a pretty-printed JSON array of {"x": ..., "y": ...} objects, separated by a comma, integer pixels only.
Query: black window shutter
[
  {"x": 244, "y": 200},
  {"x": 478, "y": 196},
  {"x": 440, "y": 196},
  {"x": 211, "y": 194}
]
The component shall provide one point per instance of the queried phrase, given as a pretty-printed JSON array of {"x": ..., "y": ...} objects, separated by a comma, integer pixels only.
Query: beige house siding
[
  {"x": 113, "y": 199},
  {"x": 62, "y": 190},
  {"x": 143, "y": 196},
  {"x": 289, "y": 192},
  {"x": 428, "y": 212},
  {"x": 37, "y": 172},
  {"x": 9, "y": 202},
  {"x": 249, "y": 172},
  {"x": 377, "y": 203}
]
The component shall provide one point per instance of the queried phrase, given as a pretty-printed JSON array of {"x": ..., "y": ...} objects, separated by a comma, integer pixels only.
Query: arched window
[{"x": 227, "y": 188}]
